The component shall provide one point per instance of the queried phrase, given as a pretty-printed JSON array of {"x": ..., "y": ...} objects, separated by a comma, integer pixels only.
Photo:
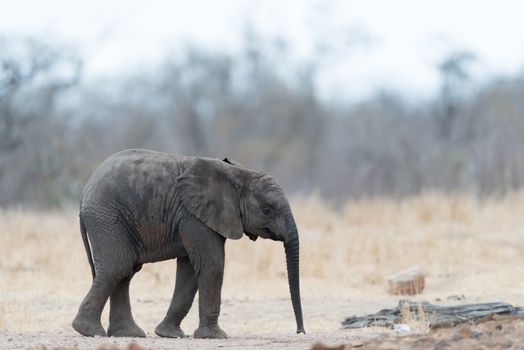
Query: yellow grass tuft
[{"x": 417, "y": 320}]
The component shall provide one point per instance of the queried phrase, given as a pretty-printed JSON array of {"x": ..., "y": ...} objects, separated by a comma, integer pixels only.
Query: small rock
[
  {"x": 320, "y": 346},
  {"x": 505, "y": 343},
  {"x": 134, "y": 346},
  {"x": 356, "y": 344},
  {"x": 387, "y": 346},
  {"x": 457, "y": 297},
  {"x": 509, "y": 329},
  {"x": 402, "y": 328},
  {"x": 441, "y": 344},
  {"x": 462, "y": 332}
]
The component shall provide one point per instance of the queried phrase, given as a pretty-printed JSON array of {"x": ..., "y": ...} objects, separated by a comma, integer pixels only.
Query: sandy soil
[
  {"x": 491, "y": 333},
  {"x": 466, "y": 247},
  {"x": 251, "y": 322}
]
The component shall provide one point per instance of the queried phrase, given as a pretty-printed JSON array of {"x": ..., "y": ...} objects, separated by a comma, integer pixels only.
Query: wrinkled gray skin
[{"x": 142, "y": 206}]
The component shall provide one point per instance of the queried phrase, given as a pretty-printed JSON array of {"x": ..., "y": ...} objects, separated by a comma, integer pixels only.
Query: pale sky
[{"x": 376, "y": 44}]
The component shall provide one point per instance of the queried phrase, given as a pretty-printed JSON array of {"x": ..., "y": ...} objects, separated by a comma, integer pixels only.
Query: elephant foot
[
  {"x": 88, "y": 327},
  {"x": 169, "y": 330},
  {"x": 125, "y": 329},
  {"x": 210, "y": 332}
]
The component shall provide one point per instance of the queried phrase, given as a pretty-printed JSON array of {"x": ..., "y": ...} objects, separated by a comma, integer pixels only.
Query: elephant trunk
[{"x": 291, "y": 246}]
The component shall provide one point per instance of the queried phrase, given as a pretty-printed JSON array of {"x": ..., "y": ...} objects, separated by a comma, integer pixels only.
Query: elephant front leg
[
  {"x": 209, "y": 279},
  {"x": 183, "y": 296},
  {"x": 205, "y": 249}
]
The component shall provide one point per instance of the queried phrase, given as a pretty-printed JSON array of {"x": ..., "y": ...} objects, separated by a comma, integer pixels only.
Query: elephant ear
[{"x": 207, "y": 192}]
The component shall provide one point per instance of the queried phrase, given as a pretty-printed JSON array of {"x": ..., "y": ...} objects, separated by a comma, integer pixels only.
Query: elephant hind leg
[
  {"x": 113, "y": 259},
  {"x": 121, "y": 322},
  {"x": 87, "y": 321}
]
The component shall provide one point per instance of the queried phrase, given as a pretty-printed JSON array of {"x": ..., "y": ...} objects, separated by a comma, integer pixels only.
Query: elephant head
[{"x": 232, "y": 200}]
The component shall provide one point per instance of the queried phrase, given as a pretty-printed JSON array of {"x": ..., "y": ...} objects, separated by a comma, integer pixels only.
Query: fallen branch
[{"x": 434, "y": 315}]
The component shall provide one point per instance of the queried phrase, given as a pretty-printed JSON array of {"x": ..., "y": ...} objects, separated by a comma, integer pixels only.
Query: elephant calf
[{"x": 142, "y": 206}]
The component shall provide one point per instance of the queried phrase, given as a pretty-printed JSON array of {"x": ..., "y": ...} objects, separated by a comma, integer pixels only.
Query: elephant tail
[{"x": 87, "y": 246}]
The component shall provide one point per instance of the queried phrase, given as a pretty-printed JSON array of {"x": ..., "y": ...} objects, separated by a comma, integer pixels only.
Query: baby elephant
[{"x": 142, "y": 206}]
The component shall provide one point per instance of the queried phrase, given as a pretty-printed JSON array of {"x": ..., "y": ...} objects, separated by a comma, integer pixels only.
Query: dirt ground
[
  {"x": 491, "y": 333},
  {"x": 503, "y": 332},
  {"x": 494, "y": 333},
  {"x": 497, "y": 333},
  {"x": 251, "y": 323},
  {"x": 467, "y": 248}
]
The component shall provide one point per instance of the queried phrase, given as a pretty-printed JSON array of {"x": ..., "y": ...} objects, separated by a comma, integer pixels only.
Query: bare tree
[{"x": 454, "y": 73}]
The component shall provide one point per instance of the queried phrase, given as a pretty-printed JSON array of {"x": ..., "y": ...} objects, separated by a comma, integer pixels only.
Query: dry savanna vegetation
[{"x": 466, "y": 246}]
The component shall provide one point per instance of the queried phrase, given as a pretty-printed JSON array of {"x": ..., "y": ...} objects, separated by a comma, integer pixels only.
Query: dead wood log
[
  {"x": 409, "y": 282},
  {"x": 433, "y": 315}
]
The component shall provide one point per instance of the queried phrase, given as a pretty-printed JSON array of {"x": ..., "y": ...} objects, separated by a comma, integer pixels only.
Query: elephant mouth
[
  {"x": 264, "y": 232},
  {"x": 269, "y": 233},
  {"x": 252, "y": 236}
]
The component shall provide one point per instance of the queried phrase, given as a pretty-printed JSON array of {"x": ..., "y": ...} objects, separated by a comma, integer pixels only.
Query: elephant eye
[{"x": 266, "y": 211}]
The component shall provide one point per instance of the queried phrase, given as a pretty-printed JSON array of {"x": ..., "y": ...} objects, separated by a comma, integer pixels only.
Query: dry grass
[
  {"x": 417, "y": 320},
  {"x": 464, "y": 245}
]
